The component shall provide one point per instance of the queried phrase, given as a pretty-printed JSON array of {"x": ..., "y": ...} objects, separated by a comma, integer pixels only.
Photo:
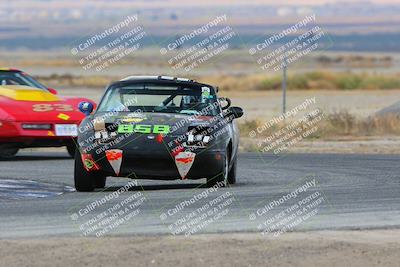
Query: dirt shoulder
[
  {"x": 323, "y": 248},
  {"x": 350, "y": 145}
]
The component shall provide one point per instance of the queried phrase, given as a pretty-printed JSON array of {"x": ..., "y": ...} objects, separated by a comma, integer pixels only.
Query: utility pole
[{"x": 284, "y": 84}]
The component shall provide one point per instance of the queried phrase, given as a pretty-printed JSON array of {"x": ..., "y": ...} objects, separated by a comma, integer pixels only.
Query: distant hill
[
  {"x": 353, "y": 25},
  {"x": 374, "y": 42}
]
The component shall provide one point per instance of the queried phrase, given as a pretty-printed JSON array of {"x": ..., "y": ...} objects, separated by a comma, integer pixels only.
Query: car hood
[
  {"x": 23, "y": 103},
  {"x": 26, "y": 93},
  {"x": 179, "y": 122}
]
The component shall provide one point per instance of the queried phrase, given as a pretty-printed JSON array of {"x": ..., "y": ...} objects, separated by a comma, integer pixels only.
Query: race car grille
[
  {"x": 27, "y": 126},
  {"x": 198, "y": 136},
  {"x": 106, "y": 135}
]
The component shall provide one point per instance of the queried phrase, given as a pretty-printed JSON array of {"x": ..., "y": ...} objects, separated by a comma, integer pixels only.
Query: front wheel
[
  {"x": 71, "y": 148},
  {"x": 221, "y": 178},
  {"x": 86, "y": 181},
  {"x": 8, "y": 152},
  {"x": 100, "y": 181},
  {"x": 232, "y": 173}
]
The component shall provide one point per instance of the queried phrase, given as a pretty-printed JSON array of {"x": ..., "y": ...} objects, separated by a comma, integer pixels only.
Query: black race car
[{"x": 157, "y": 127}]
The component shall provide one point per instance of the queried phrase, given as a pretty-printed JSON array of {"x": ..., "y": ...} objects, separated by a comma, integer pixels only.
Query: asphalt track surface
[{"x": 37, "y": 198}]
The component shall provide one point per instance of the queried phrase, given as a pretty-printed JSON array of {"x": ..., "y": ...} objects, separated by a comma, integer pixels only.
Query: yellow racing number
[
  {"x": 42, "y": 107},
  {"x": 50, "y": 107},
  {"x": 63, "y": 107}
]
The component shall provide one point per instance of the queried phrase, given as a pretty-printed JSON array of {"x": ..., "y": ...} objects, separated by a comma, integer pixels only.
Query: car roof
[
  {"x": 155, "y": 78},
  {"x": 159, "y": 79},
  {"x": 9, "y": 69}
]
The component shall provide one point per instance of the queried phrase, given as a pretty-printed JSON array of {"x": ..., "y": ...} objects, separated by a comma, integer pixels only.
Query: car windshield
[
  {"x": 19, "y": 78},
  {"x": 159, "y": 98}
]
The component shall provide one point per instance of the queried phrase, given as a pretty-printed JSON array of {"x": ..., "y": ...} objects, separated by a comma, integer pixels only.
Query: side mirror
[
  {"x": 226, "y": 101},
  {"x": 52, "y": 91},
  {"x": 236, "y": 112},
  {"x": 86, "y": 108}
]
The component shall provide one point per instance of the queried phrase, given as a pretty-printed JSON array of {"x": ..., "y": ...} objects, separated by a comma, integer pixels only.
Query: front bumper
[
  {"x": 13, "y": 132},
  {"x": 159, "y": 164}
]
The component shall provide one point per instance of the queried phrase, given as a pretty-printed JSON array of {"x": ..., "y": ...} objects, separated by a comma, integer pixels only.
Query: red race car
[{"x": 32, "y": 115}]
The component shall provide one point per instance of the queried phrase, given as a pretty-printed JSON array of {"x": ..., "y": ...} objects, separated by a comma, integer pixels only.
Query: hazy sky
[
  {"x": 271, "y": 2},
  {"x": 79, "y": 3}
]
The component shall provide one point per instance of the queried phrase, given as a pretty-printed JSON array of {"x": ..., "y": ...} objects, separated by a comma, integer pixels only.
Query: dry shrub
[
  {"x": 67, "y": 80},
  {"x": 388, "y": 124},
  {"x": 304, "y": 81},
  {"x": 345, "y": 124},
  {"x": 337, "y": 124},
  {"x": 249, "y": 125},
  {"x": 234, "y": 82}
]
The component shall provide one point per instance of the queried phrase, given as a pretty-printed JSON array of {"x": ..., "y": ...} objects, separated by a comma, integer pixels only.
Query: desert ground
[{"x": 323, "y": 248}]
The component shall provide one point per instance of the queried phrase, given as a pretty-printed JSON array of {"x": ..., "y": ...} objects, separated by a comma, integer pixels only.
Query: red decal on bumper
[
  {"x": 114, "y": 157},
  {"x": 89, "y": 163}
]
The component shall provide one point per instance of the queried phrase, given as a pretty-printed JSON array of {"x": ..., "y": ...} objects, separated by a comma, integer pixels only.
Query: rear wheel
[
  {"x": 86, "y": 181},
  {"x": 221, "y": 178},
  {"x": 8, "y": 152}
]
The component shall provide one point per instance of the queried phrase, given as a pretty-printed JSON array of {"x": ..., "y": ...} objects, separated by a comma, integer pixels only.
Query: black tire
[
  {"x": 232, "y": 173},
  {"x": 221, "y": 177},
  {"x": 84, "y": 181},
  {"x": 8, "y": 152},
  {"x": 100, "y": 181},
  {"x": 71, "y": 148}
]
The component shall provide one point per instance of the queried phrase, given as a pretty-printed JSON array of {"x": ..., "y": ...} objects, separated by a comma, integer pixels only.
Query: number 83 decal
[{"x": 51, "y": 107}]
